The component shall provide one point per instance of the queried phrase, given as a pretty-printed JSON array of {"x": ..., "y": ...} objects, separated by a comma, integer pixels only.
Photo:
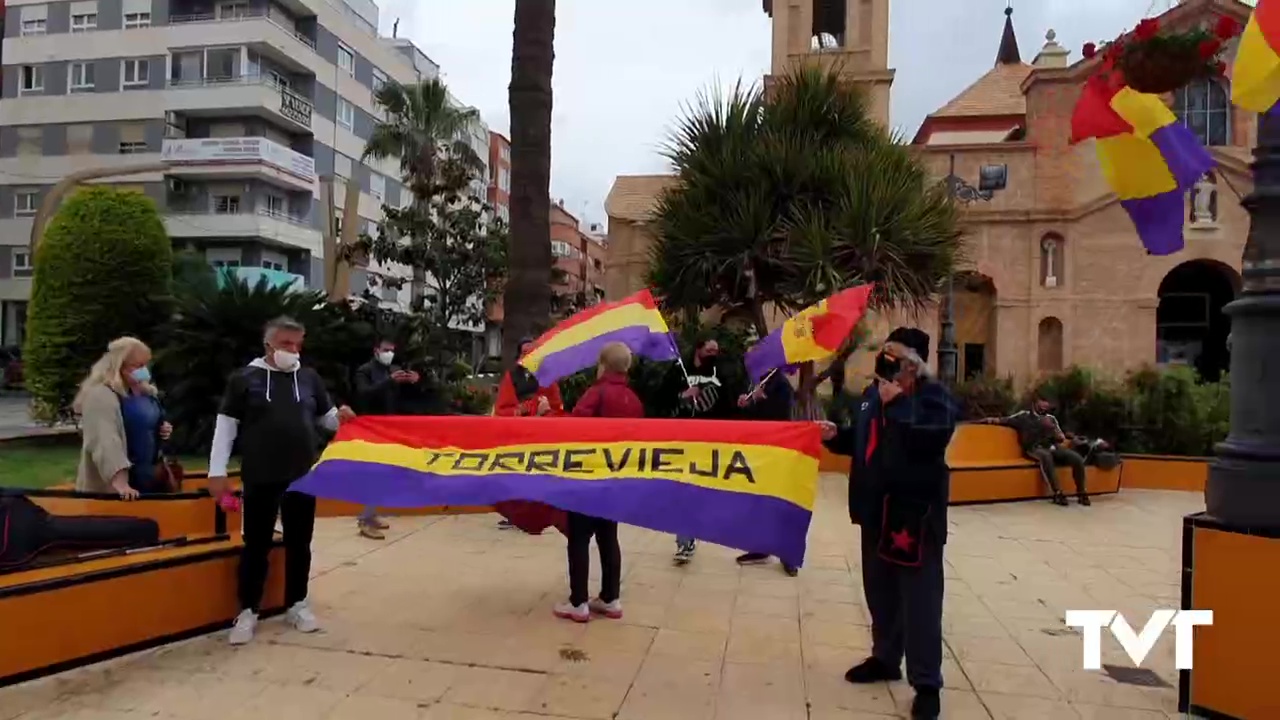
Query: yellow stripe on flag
[
  {"x": 1145, "y": 112},
  {"x": 1255, "y": 75},
  {"x": 1134, "y": 167}
]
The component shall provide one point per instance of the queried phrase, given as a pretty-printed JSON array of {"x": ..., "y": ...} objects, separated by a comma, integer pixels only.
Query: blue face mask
[{"x": 142, "y": 374}]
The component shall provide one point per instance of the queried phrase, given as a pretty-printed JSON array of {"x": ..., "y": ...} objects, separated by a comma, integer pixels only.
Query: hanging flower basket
[{"x": 1157, "y": 61}]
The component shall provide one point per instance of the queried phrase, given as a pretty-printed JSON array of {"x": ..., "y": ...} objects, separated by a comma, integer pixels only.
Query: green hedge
[
  {"x": 102, "y": 270},
  {"x": 1166, "y": 411}
]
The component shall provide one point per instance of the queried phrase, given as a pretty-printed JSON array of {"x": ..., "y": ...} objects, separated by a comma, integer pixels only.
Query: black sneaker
[
  {"x": 1060, "y": 499},
  {"x": 927, "y": 705},
  {"x": 684, "y": 553},
  {"x": 505, "y": 525},
  {"x": 872, "y": 670},
  {"x": 790, "y": 570},
  {"x": 753, "y": 559},
  {"x": 1085, "y": 501}
]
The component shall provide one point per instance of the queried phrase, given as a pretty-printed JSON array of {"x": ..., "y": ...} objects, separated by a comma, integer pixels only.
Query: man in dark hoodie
[
  {"x": 1042, "y": 440},
  {"x": 275, "y": 406},
  {"x": 770, "y": 400},
  {"x": 378, "y": 392},
  {"x": 704, "y": 394},
  {"x": 898, "y": 490}
]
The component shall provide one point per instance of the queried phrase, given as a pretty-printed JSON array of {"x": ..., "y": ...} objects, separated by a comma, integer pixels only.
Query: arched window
[
  {"x": 1049, "y": 345},
  {"x": 1204, "y": 107},
  {"x": 1051, "y": 261}
]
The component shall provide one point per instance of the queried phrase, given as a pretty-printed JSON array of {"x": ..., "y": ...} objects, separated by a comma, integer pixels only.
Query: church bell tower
[{"x": 851, "y": 36}]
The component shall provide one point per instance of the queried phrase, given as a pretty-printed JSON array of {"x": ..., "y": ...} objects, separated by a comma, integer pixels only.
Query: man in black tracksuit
[
  {"x": 771, "y": 400},
  {"x": 898, "y": 490},
  {"x": 275, "y": 407},
  {"x": 1042, "y": 440},
  {"x": 378, "y": 392}
]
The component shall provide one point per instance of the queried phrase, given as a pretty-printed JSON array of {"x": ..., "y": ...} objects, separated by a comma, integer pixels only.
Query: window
[
  {"x": 82, "y": 76},
  {"x": 21, "y": 263},
  {"x": 278, "y": 80},
  {"x": 225, "y": 263},
  {"x": 377, "y": 186},
  {"x": 136, "y": 73},
  {"x": 80, "y": 139},
  {"x": 505, "y": 153},
  {"x": 276, "y": 206},
  {"x": 133, "y": 138},
  {"x": 346, "y": 114},
  {"x": 137, "y": 20},
  {"x": 33, "y": 27},
  {"x": 560, "y": 249},
  {"x": 337, "y": 223},
  {"x": 504, "y": 180},
  {"x": 233, "y": 10},
  {"x": 1203, "y": 106},
  {"x": 272, "y": 265},
  {"x": 84, "y": 22},
  {"x": 32, "y": 79},
  {"x": 346, "y": 59},
  {"x": 226, "y": 204},
  {"x": 25, "y": 202},
  {"x": 342, "y": 167},
  {"x": 379, "y": 79},
  {"x": 134, "y": 147},
  {"x": 30, "y": 141}
]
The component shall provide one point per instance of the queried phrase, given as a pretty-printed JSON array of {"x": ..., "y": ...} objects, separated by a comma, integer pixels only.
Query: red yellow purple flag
[
  {"x": 1255, "y": 74},
  {"x": 814, "y": 333}
]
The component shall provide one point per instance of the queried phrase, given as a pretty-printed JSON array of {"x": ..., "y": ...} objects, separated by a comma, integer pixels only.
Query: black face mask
[{"x": 887, "y": 367}]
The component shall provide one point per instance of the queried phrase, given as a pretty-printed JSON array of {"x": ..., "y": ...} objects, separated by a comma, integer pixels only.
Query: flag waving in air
[
  {"x": 815, "y": 333},
  {"x": 1255, "y": 76},
  {"x": 1148, "y": 158},
  {"x": 575, "y": 343}
]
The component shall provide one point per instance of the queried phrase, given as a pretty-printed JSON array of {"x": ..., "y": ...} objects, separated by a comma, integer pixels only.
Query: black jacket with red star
[{"x": 899, "y": 449}]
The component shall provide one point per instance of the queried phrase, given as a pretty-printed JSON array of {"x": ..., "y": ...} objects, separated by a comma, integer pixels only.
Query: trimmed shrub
[
  {"x": 983, "y": 396},
  {"x": 102, "y": 270}
]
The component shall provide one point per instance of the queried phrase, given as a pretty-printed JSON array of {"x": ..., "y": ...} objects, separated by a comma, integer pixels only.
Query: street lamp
[
  {"x": 991, "y": 179},
  {"x": 1244, "y": 481}
]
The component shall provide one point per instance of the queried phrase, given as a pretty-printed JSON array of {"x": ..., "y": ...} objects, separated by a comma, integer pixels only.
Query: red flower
[
  {"x": 1226, "y": 28},
  {"x": 1147, "y": 29},
  {"x": 1089, "y": 50},
  {"x": 1209, "y": 48}
]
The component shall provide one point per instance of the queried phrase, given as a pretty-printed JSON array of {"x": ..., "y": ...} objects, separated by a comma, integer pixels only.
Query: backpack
[{"x": 26, "y": 530}]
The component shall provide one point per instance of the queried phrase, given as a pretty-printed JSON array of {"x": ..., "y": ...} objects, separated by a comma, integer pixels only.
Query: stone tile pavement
[{"x": 449, "y": 619}]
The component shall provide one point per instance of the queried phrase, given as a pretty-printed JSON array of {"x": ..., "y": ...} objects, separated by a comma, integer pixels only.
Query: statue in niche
[
  {"x": 1049, "y": 266},
  {"x": 1204, "y": 201}
]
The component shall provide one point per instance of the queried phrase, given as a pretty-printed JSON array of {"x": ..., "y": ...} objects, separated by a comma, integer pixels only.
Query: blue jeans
[
  {"x": 682, "y": 542},
  {"x": 369, "y": 513}
]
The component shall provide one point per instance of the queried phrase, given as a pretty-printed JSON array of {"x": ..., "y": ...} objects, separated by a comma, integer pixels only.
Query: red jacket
[
  {"x": 507, "y": 405},
  {"x": 610, "y": 397}
]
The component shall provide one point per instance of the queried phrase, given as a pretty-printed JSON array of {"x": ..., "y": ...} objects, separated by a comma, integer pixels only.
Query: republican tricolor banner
[{"x": 746, "y": 485}]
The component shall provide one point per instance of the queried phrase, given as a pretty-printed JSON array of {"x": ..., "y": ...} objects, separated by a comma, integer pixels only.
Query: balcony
[
  {"x": 215, "y": 158},
  {"x": 254, "y": 28},
  {"x": 275, "y": 229},
  {"x": 252, "y": 276},
  {"x": 256, "y": 95}
]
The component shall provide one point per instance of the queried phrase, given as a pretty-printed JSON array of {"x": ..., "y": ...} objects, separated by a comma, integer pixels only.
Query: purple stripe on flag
[
  {"x": 1159, "y": 221},
  {"x": 755, "y": 523},
  {"x": 765, "y": 356},
  {"x": 1187, "y": 157},
  {"x": 642, "y": 341}
]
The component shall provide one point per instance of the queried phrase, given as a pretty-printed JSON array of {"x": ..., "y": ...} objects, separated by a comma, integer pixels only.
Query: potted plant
[{"x": 1156, "y": 60}]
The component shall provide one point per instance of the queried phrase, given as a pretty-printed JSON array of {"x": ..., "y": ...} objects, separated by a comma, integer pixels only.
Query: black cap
[{"x": 914, "y": 338}]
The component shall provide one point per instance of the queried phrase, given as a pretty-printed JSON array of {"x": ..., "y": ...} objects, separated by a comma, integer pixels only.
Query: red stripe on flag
[
  {"x": 1267, "y": 16},
  {"x": 844, "y": 310},
  {"x": 481, "y": 433},
  {"x": 643, "y": 298}
]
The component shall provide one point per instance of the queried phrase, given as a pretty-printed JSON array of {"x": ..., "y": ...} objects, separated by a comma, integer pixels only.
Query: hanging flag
[
  {"x": 746, "y": 485},
  {"x": 815, "y": 333},
  {"x": 1255, "y": 75},
  {"x": 1148, "y": 157},
  {"x": 575, "y": 343}
]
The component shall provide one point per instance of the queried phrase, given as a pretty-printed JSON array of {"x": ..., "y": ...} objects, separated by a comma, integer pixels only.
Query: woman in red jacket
[
  {"x": 608, "y": 397},
  {"x": 520, "y": 396}
]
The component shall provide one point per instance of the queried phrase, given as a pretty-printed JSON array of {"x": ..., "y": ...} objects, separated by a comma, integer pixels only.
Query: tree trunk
[{"x": 527, "y": 297}]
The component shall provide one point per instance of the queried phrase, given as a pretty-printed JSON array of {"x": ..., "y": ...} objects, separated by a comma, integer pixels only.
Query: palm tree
[
  {"x": 785, "y": 197},
  {"x": 422, "y": 124},
  {"x": 527, "y": 297}
]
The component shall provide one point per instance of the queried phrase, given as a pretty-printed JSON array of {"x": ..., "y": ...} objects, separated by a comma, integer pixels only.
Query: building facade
[
  {"x": 499, "y": 192},
  {"x": 579, "y": 256},
  {"x": 251, "y": 104},
  {"x": 1056, "y": 275}
]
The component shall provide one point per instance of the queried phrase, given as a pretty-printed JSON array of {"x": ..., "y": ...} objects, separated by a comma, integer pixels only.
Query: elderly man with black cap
[{"x": 898, "y": 490}]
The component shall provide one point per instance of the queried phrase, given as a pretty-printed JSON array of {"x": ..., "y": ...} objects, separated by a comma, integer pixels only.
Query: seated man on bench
[{"x": 1043, "y": 441}]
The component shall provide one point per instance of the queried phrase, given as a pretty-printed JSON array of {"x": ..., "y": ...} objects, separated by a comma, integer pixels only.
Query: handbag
[{"x": 169, "y": 474}]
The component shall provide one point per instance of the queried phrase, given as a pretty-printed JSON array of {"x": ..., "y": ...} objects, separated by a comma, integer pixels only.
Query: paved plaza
[{"x": 450, "y": 619}]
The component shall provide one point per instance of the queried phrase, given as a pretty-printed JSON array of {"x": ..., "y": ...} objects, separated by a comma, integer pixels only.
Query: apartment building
[
  {"x": 499, "y": 195},
  {"x": 579, "y": 254},
  {"x": 249, "y": 104}
]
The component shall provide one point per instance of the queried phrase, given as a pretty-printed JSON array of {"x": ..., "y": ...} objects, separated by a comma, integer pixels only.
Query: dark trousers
[
  {"x": 298, "y": 517},
  {"x": 581, "y": 529},
  {"x": 906, "y": 610},
  {"x": 1049, "y": 459}
]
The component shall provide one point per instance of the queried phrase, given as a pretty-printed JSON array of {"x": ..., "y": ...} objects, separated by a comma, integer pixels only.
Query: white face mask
[
  {"x": 386, "y": 356},
  {"x": 286, "y": 360}
]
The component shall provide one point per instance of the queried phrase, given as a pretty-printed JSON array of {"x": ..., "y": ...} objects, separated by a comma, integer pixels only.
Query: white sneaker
[
  {"x": 611, "y": 610},
  {"x": 579, "y": 614},
  {"x": 301, "y": 618},
  {"x": 242, "y": 631}
]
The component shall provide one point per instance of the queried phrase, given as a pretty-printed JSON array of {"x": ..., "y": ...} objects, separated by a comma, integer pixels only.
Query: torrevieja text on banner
[{"x": 745, "y": 485}]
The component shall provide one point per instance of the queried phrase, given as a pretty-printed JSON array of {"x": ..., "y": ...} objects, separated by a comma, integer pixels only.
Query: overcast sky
[{"x": 624, "y": 67}]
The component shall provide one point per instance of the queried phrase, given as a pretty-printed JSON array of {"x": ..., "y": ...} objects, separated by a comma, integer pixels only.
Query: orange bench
[{"x": 987, "y": 466}]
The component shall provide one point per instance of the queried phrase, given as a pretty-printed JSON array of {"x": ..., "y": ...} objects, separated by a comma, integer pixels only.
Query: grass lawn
[{"x": 43, "y": 462}]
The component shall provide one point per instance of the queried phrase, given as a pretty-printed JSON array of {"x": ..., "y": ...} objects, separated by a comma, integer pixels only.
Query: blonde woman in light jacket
[{"x": 121, "y": 422}]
